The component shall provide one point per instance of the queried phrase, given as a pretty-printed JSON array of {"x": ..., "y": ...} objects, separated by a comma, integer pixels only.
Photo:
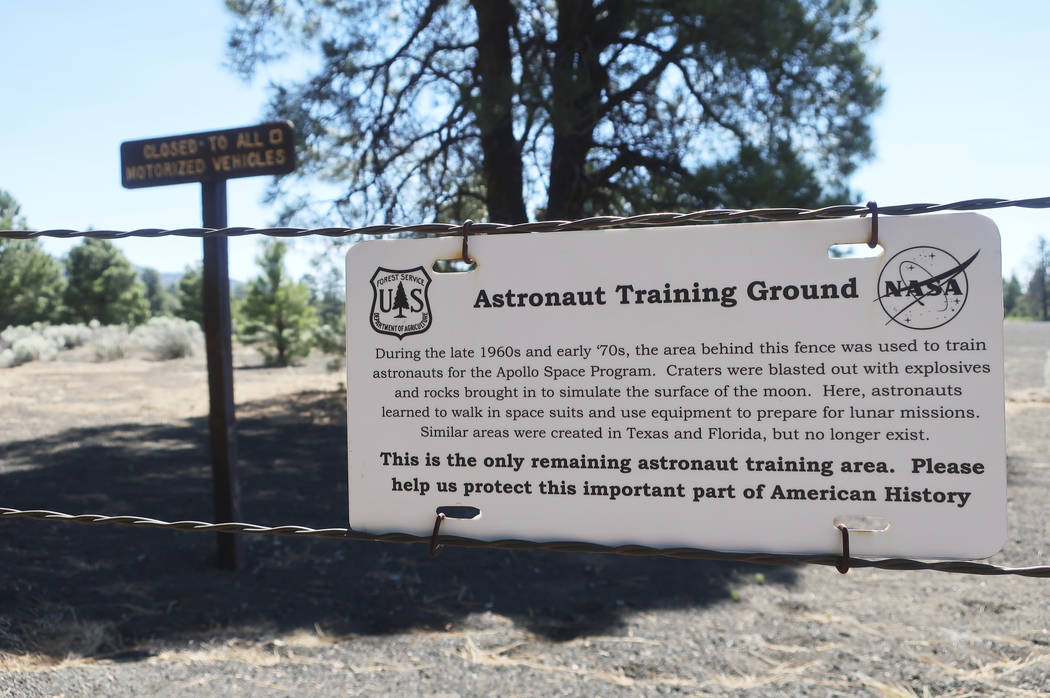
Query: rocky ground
[{"x": 123, "y": 612}]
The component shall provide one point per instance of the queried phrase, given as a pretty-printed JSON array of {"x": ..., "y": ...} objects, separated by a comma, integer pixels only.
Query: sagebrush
[{"x": 161, "y": 338}]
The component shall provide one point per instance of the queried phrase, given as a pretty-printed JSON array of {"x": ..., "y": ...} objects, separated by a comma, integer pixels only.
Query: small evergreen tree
[
  {"x": 103, "y": 286},
  {"x": 328, "y": 298},
  {"x": 1038, "y": 295},
  {"x": 189, "y": 295},
  {"x": 276, "y": 312},
  {"x": 159, "y": 298},
  {"x": 31, "y": 284},
  {"x": 1012, "y": 296},
  {"x": 328, "y": 294},
  {"x": 31, "y": 281},
  {"x": 9, "y": 209}
]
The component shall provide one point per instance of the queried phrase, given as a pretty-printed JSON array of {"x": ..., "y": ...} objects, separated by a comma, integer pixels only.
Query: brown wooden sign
[
  {"x": 211, "y": 158},
  {"x": 264, "y": 149}
]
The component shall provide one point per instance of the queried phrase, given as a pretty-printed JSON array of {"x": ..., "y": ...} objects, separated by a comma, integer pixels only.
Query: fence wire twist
[
  {"x": 591, "y": 223},
  {"x": 957, "y": 567}
]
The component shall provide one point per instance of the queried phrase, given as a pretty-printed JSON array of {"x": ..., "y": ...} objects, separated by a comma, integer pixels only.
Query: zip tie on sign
[{"x": 873, "y": 241}]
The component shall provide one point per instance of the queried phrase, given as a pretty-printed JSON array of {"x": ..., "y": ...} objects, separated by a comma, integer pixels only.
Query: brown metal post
[{"x": 217, "y": 328}]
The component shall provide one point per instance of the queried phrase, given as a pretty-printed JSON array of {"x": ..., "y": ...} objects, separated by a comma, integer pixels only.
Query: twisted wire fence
[
  {"x": 294, "y": 531},
  {"x": 590, "y": 223}
]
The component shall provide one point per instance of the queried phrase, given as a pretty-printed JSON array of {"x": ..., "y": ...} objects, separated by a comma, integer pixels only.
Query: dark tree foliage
[
  {"x": 103, "y": 286},
  {"x": 1039, "y": 285},
  {"x": 31, "y": 281},
  {"x": 1012, "y": 297},
  {"x": 276, "y": 313},
  {"x": 189, "y": 295},
  {"x": 31, "y": 284},
  {"x": 327, "y": 292},
  {"x": 9, "y": 210},
  {"x": 564, "y": 108},
  {"x": 328, "y": 298},
  {"x": 159, "y": 298}
]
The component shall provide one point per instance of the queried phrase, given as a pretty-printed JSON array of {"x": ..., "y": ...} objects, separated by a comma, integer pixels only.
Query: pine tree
[
  {"x": 9, "y": 210},
  {"x": 1012, "y": 297},
  {"x": 276, "y": 311},
  {"x": 31, "y": 281},
  {"x": 159, "y": 298},
  {"x": 1039, "y": 284},
  {"x": 31, "y": 284},
  {"x": 490, "y": 108},
  {"x": 328, "y": 298},
  {"x": 189, "y": 295},
  {"x": 103, "y": 286},
  {"x": 327, "y": 292}
]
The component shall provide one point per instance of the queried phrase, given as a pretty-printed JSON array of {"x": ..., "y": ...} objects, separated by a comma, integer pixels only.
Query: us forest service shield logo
[
  {"x": 923, "y": 287},
  {"x": 400, "y": 304}
]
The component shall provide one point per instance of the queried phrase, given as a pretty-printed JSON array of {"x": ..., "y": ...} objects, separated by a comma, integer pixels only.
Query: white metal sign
[{"x": 727, "y": 387}]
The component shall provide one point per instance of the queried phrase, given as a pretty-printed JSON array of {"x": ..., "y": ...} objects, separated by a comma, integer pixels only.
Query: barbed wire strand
[
  {"x": 769, "y": 559},
  {"x": 590, "y": 223}
]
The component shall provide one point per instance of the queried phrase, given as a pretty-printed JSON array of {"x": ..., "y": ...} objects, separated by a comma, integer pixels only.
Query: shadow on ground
[{"x": 100, "y": 590}]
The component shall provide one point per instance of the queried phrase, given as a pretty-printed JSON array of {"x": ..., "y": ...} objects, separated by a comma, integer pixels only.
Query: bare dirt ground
[{"x": 124, "y": 612}]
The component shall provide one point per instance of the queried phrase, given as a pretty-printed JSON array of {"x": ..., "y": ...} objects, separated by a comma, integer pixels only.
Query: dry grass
[
  {"x": 268, "y": 654},
  {"x": 57, "y": 638},
  {"x": 993, "y": 674},
  {"x": 500, "y": 656},
  {"x": 887, "y": 690},
  {"x": 776, "y": 674}
]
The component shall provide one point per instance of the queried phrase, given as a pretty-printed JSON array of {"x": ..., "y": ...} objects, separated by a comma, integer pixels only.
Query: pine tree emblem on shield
[{"x": 400, "y": 304}]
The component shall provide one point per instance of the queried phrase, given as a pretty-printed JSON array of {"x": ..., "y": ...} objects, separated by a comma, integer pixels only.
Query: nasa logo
[
  {"x": 400, "y": 304},
  {"x": 923, "y": 287}
]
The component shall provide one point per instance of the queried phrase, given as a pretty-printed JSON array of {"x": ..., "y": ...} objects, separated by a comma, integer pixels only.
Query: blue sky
[{"x": 965, "y": 115}]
